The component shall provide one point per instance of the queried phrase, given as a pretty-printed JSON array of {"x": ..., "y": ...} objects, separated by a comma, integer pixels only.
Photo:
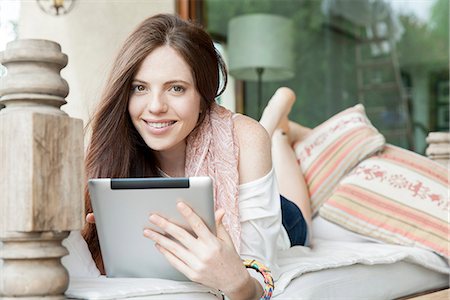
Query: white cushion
[{"x": 79, "y": 262}]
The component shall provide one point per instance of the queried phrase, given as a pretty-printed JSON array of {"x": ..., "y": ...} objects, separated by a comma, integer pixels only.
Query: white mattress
[
  {"x": 348, "y": 274},
  {"x": 383, "y": 281},
  {"x": 340, "y": 265},
  {"x": 135, "y": 288}
]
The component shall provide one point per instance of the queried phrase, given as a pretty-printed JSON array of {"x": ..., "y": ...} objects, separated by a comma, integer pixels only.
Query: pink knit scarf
[{"x": 212, "y": 150}]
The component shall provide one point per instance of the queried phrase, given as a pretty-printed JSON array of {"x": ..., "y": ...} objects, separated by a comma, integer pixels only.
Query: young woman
[{"x": 157, "y": 117}]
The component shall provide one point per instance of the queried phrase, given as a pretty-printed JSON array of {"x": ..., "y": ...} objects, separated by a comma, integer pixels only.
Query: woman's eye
[
  {"x": 138, "y": 88},
  {"x": 177, "y": 88}
]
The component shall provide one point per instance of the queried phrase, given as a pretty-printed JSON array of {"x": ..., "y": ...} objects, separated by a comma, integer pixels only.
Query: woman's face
[{"x": 164, "y": 103}]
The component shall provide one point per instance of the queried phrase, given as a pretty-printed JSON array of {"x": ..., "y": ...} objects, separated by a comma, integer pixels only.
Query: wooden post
[
  {"x": 439, "y": 147},
  {"x": 41, "y": 171}
]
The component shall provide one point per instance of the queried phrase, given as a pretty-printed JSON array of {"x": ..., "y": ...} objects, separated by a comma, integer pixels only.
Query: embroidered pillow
[
  {"x": 397, "y": 197},
  {"x": 333, "y": 148}
]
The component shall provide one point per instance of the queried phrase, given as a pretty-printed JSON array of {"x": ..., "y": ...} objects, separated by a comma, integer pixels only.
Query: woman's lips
[{"x": 159, "y": 127}]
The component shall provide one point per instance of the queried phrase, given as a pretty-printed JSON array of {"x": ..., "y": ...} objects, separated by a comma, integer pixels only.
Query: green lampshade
[{"x": 260, "y": 41}]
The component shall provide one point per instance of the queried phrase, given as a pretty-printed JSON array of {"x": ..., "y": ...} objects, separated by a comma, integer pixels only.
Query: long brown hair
[{"x": 116, "y": 149}]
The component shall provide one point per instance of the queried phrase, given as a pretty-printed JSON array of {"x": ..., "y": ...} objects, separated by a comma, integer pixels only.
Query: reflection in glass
[{"x": 392, "y": 56}]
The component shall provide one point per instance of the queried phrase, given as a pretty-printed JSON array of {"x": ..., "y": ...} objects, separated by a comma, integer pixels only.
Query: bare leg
[
  {"x": 277, "y": 110},
  {"x": 297, "y": 132},
  {"x": 291, "y": 181},
  {"x": 284, "y": 134}
]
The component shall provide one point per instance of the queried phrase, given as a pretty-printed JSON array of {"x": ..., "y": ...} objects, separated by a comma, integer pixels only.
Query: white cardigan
[{"x": 262, "y": 233}]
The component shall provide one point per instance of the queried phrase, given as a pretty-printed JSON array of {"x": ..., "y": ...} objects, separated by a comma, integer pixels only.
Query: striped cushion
[
  {"x": 398, "y": 197},
  {"x": 333, "y": 148}
]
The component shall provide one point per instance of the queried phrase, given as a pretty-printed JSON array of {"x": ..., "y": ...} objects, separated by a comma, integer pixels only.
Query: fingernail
[
  {"x": 148, "y": 233},
  {"x": 184, "y": 208},
  {"x": 153, "y": 218}
]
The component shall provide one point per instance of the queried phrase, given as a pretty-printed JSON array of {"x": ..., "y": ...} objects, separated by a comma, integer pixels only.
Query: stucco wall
[{"x": 90, "y": 34}]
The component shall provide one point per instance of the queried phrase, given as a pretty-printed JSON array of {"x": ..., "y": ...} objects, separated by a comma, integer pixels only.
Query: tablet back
[{"x": 122, "y": 207}]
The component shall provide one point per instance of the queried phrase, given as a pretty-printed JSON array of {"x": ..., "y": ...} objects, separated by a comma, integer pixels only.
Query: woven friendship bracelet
[{"x": 265, "y": 272}]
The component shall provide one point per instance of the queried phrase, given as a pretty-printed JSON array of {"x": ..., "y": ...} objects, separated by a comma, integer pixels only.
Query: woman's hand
[{"x": 207, "y": 259}]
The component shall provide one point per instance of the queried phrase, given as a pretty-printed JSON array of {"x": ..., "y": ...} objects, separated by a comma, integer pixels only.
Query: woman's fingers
[
  {"x": 176, "y": 262},
  {"x": 222, "y": 233},
  {"x": 218, "y": 215},
  {"x": 179, "y": 233},
  {"x": 90, "y": 218},
  {"x": 196, "y": 223},
  {"x": 209, "y": 259},
  {"x": 170, "y": 245}
]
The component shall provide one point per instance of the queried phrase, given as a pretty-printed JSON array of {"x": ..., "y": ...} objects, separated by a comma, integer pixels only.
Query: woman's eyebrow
[
  {"x": 167, "y": 82},
  {"x": 138, "y": 80},
  {"x": 178, "y": 81}
]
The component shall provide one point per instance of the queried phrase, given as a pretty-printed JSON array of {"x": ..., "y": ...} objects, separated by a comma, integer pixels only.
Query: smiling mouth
[{"x": 159, "y": 125}]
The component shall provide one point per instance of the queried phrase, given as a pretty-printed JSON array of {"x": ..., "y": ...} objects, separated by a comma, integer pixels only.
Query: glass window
[{"x": 392, "y": 56}]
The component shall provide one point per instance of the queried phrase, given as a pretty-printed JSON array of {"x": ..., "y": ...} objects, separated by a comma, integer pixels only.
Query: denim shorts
[{"x": 294, "y": 222}]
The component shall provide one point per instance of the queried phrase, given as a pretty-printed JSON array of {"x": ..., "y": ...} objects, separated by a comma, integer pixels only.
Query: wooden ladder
[{"x": 384, "y": 96}]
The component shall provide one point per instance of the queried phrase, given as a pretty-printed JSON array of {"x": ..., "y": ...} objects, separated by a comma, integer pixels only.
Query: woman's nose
[{"x": 156, "y": 104}]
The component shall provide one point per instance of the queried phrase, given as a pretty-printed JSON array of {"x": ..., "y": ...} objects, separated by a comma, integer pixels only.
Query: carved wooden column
[
  {"x": 41, "y": 171},
  {"x": 439, "y": 147}
]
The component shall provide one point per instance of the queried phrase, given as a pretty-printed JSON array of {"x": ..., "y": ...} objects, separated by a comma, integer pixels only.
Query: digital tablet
[{"x": 122, "y": 208}]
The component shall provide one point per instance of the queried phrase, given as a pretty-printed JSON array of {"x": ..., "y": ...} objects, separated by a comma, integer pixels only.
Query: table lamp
[{"x": 260, "y": 49}]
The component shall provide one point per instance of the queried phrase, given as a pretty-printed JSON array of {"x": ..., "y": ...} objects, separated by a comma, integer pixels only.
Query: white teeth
[{"x": 160, "y": 124}]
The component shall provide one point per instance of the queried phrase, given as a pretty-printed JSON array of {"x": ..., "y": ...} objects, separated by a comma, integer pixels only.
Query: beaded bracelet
[{"x": 265, "y": 272}]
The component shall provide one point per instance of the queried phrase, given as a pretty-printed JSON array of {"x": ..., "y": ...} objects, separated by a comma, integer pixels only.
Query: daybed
[
  {"x": 351, "y": 268},
  {"x": 361, "y": 257},
  {"x": 358, "y": 252}
]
